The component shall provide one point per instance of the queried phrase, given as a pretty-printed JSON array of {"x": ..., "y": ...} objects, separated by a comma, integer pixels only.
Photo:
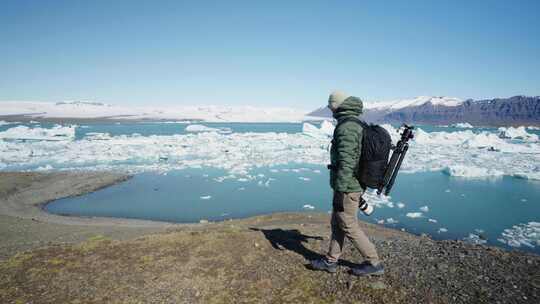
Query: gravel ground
[{"x": 256, "y": 260}]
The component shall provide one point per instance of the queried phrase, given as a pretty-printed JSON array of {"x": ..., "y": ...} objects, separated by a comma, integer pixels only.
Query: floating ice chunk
[
  {"x": 474, "y": 239},
  {"x": 400, "y": 205},
  {"x": 442, "y": 230},
  {"x": 207, "y": 197},
  {"x": 463, "y": 125},
  {"x": 517, "y": 133},
  {"x": 391, "y": 221},
  {"x": 523, "y": 200},
  {"x": 472, "y": 172},
  {"x": 414, "y": 214},
  {"x": 5, "y": 123},
  {"x": 432, "y": 220},
  {"x": 45, "y": 168},
  {"x": 447, "y": 191},
  {"x": 201, "y": 128},
  {"x": 56, "y": 133},
  {"x": 522, "y": 235},
  {"x": 424, "y": 208},
  {"x": 306, "y": 179},
  {"x": 317, "y": 171},
  {"x": 308, "y": 207}
]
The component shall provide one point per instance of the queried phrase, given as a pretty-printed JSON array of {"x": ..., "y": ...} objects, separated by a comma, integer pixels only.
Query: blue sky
[{"x": 268, "y": 53}]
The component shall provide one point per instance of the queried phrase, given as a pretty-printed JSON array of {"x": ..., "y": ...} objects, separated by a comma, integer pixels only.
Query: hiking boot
[
  {"x": 324, "y": 264},
  {"x": 366, "y": 269}
]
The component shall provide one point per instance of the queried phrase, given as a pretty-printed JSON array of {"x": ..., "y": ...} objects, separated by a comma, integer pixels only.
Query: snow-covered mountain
[
  {"x": 517, "y": 110},
  {"x": 96, "y": 110}
]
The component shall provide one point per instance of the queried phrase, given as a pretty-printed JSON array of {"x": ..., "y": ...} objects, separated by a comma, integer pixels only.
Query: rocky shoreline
[{"x": 48, "y": 258}]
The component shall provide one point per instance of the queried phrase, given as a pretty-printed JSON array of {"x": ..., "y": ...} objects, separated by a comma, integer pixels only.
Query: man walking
[{"x": 344, "y": 156}]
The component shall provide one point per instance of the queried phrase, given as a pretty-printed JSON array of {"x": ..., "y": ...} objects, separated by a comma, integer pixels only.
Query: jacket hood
[{"x": 352, "y": 106}]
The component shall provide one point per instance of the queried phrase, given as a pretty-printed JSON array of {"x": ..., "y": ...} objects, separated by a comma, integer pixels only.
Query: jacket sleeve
[{"x": 347, "y": 140}]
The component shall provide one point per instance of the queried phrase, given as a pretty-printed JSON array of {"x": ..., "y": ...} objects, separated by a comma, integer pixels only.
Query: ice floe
[
  {"x": 475, "y": 239},
  {"x": 522, "y": 235},
  {"x": 463, "y": 125},
  {"x": 462, "y": 153},
  {"x": 5, "y": 123},
  {"x": 471, "y": 172},
  {"x": 201, "y": 128},
  {"x": 414, "y": 214},
  {"x": 56, "y": 133},
  {"x": 391, "y": 221},
  {"x": 517, "y": 133}
]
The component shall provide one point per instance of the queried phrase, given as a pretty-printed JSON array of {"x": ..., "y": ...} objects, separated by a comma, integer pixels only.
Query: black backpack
[{"x": 375, "y": 150}]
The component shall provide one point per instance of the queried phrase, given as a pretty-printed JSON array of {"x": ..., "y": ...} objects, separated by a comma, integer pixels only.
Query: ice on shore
[
  {"x": 522, "y": 235},
  {"x": 56, "y": 133}
]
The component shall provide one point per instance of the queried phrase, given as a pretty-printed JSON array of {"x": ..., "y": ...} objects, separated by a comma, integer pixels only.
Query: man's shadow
[{"x": 293, "y": 240}]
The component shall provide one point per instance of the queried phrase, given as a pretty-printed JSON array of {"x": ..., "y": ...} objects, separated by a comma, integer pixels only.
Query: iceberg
[
  {"x": 458, "y": 154},
  {"x": 472, "y": 172},
  {"x": 325, "y": 131},
  {"x": 308, "y": 207},
  {"x": 414, "y": 214},
  {"x": 463, "y": 125},
  {"x": 56, "y": 133},
  {"x": 517, "y": 133},
  {"x": 201, "y": 128}
]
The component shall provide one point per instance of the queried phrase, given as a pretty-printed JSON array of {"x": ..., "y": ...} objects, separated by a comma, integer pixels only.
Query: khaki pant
[{"x": 345, "y": 224}]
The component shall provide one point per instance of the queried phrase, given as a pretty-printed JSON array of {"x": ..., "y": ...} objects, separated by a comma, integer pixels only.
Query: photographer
[{"x": 344, "y": 157}]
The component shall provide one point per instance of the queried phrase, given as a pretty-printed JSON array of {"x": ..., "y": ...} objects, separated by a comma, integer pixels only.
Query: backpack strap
[{"x": 357, "y": 120}]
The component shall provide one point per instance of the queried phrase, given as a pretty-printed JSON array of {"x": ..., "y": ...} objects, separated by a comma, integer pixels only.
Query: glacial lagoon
[{"x": 477, "y": 184}]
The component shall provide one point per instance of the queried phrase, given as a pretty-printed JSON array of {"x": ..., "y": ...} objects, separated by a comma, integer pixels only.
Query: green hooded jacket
[{"x": 345, "y": 151}]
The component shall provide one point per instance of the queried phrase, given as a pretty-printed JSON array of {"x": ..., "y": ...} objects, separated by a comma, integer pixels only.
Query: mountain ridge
[{"x": 515, "y": 110}]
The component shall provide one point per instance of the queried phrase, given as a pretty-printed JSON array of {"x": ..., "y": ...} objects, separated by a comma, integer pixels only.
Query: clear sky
[{"x": 268, "y": 53}]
